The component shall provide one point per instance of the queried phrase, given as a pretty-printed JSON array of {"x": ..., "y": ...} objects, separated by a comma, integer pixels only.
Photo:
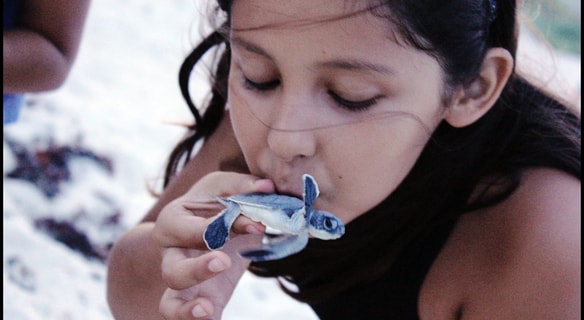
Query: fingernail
[
  {"x": 216, "y": 265},
  {"x": 199, "y": 312}
]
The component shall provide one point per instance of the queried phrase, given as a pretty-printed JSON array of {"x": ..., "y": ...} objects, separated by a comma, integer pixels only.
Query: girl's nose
[{"x": 289, "y": 134}]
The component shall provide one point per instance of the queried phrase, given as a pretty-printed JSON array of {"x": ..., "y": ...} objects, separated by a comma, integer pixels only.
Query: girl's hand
[{"x": 200, "y": 282}]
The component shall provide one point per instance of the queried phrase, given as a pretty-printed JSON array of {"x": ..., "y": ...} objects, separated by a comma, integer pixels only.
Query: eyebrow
[
  {"x": 250, "y": 47},
  {"x": 341, "y": 63},
  {"x": 357, "y": 65}
]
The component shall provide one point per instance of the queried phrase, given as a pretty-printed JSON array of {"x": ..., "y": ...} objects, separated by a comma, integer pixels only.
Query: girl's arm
[{"x": 134, "y": 283}]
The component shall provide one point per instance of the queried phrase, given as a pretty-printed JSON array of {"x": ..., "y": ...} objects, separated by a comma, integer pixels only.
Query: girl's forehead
[
  {"x": 256, "y": 14},
  {"x": 324, "y": 21}
]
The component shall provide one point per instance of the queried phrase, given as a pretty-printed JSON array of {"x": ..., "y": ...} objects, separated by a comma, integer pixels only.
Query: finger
[
  {"x": 179, "y": 230},
  {"x": 229, "y": 183},
  {"x": 174, "y": 306},
  {"x": 181, "y": 271},
  {"x": 203, "y": 309},
  {"x": 178, "y": 224},
  {"x": 187, "y": 231},
  {"x": 245, "y": 225}
]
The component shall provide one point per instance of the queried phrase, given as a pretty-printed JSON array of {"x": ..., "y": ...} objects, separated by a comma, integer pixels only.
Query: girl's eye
[
  {"x": 260, "y": 86},
  {"x": 340, "y": 101},
  {"x": 353, "y": 105}
]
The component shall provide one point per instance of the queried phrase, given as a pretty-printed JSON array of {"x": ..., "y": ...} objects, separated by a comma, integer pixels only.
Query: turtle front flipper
[
  {"x": 278, "y": 248},
  {"x": 310, "y": 191},
  {"x": 217, "y": 232}
]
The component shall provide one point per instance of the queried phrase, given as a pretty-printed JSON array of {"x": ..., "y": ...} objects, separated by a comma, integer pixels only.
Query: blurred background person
[{"x": 40, "y": 42}]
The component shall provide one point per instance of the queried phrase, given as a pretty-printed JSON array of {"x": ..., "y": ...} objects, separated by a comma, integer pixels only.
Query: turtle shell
[{"x": 268, "y": 201}]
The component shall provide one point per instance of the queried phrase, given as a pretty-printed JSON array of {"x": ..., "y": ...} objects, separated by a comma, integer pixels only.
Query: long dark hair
[{"x": 526, "y": 128}]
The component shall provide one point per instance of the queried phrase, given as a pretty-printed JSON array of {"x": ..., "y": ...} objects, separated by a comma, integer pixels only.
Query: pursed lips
[
  {"x": 286, "y": 176},
  {"x": 285, "y": 181},
  {"x": 289, "y": 186}
]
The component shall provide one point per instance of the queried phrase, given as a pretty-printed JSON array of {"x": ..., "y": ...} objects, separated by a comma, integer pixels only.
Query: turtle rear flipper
[
  {"x": 217, "y": 232},
  {"x": 278, "y": 248}
]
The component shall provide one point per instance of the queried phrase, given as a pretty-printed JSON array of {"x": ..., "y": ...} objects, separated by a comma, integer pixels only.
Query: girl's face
[{"x": 339, "y": 99}]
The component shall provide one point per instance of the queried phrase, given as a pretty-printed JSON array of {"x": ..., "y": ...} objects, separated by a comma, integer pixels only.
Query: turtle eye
[{"x": 330, "y": 223}]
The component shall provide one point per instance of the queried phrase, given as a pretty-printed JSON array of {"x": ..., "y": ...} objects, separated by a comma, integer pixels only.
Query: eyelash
[
  {"x": 260, "y": 86},
  {"x": 341, "y": 102}
]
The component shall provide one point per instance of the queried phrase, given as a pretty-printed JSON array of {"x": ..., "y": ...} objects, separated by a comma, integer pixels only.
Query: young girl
[{"x": 458, "y": 181}]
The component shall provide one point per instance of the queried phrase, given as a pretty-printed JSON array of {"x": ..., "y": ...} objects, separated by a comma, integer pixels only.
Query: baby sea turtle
[{"x": 295, "y": 218}]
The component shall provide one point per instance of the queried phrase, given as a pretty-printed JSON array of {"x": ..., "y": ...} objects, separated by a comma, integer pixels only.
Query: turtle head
[{"x": 324, "y": 225}]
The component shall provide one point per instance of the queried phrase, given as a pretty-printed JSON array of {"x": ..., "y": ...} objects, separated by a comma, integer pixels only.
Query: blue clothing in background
[{"x": 12, "y": 103}]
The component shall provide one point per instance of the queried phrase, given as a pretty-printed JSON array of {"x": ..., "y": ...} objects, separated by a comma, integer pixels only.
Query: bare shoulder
[
  {"x": 520, "y": 259},
  {"x": 220, "y": 152}
]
